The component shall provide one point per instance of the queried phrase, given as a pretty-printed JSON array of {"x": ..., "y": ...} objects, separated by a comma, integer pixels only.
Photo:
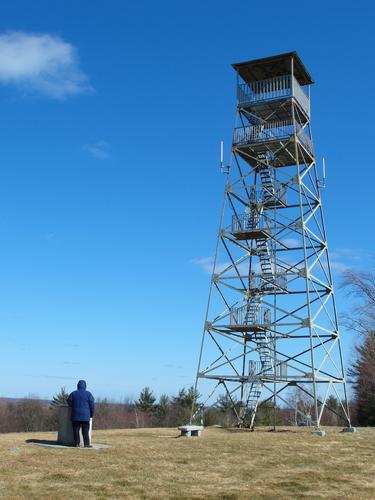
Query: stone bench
[{"x": 191, "y": 430}]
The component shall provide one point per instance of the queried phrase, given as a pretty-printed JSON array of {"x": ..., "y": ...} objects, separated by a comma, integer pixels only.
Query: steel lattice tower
[{"x": 271, "y": 319}]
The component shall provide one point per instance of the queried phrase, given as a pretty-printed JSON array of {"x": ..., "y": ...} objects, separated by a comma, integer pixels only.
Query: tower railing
[
  {"x": 250, "y": 221},
  {"x": 268, "y": 196},
  {"x": 265, "y": 132},
  {"x": 271, "y": 131},
  {"x": 249, "y": 314},
  {"x": 273, "y": 88},
  {"x": 261, "y": 282},
  {"x": 304, "y": 138},
  {"x": 301, "y": 96},
  {"x": 280, "y": 368}
]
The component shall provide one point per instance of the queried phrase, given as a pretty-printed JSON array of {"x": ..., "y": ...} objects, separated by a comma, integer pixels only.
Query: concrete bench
[{"x": 191, "y": 430}]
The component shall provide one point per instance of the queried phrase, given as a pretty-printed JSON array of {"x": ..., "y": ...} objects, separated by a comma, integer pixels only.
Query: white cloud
[
  {"x": 100, "y": 150},
  {"x": 207, "y": 264},
  {"x": 41, "y": 63},
  {"x": 343, "y": 259},
  {"x": 338, "y": 267},
  {"x": 291, "y": 242}
]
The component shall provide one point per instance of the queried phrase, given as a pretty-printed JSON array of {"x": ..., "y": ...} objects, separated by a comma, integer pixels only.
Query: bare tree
[
  {"x": 301, "y": 405},
  {"x": 362, "y": 320},
  {"x": 29, "y": 413}
]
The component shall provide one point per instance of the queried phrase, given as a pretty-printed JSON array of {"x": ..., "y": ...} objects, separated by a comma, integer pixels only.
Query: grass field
[{"x": 154, "y": 463}]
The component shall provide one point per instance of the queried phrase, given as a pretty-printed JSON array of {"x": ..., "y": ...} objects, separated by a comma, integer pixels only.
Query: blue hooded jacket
[{"x": 82, "y": 403}]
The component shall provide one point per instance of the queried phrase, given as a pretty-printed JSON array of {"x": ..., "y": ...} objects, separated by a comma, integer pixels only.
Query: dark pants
[{"x": 85, "y": 431}]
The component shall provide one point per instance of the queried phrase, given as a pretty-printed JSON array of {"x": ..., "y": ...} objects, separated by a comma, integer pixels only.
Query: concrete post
[{"x": 65, "y": 430}]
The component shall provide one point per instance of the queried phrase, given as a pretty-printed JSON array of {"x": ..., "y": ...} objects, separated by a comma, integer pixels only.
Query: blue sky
[{"x": 111, "y": 117}]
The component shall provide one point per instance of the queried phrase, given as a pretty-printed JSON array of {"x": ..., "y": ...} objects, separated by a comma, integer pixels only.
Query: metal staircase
[
  {"x": 262, "y": 339},
  {"x": 252, "y": 310},
  {"x": 264, "y": 348},
  {"x": 265, "y": 261},
  {"x": 250, "y": 403},
  {"x": 268, "y": 183}
]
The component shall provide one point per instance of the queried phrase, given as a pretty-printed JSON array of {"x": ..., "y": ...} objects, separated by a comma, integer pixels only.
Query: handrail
[
  {"x": 301, "y": 96},
  {"x": 261, "y": 193},
  {"x": 272, "y": 88},
  {"x": 249, "y": 221},
  {"x": 266, "y": 282},
  {"x": 270, "y": 131},
  {"x": 239, "y": 315},
  {"x": 280, "y": 368},
  {"x": 304, "y": 138},
  {"x": 264, "y": 132}
]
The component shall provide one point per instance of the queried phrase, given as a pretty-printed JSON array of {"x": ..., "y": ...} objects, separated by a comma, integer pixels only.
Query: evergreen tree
[
  {"x": 162, "y": 410},
  {"x": 146, "y": 401},
  {"x": 186, "y": 398},
  {"x": 182, "y": 405},
  {"x": 333, "y": 403},
  {"x": 227, "y": 407},
  {"x": 60, "y": 398},
  {"x": 267, "y": 414},
  {"x": 362, "y": 321},
  {"x": 224, "y": 403},
  {"x": 363, "y": 374}
]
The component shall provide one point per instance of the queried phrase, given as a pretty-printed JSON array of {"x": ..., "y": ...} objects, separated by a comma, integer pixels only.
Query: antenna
[
  {"x": 322, "y": 182},
  {"x": 223, "y": 168}
]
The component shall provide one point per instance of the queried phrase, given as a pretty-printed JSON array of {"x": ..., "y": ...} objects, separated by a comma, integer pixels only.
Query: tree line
[{"x": 34, "y": 415}]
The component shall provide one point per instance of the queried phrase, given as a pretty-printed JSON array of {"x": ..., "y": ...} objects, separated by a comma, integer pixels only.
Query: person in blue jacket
[{"x": 83, "y": 406}]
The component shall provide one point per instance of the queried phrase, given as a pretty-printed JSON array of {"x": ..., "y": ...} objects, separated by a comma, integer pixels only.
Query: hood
[{"x": 81, "y": 384}]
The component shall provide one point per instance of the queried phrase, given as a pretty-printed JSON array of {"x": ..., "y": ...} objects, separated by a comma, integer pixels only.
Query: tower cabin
[{"x": 273, "y": 98}]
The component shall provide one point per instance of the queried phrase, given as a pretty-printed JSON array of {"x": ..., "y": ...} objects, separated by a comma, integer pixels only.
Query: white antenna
[
  {"x": 322, "y": 182},
  {"x": 224, "y": 168}
]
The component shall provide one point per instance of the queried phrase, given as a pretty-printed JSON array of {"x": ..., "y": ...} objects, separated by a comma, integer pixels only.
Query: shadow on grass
[
  {"x": 56, "y": 444},
  {"x": 47, "y": 442},
  {"x": 258, "y": 429}
]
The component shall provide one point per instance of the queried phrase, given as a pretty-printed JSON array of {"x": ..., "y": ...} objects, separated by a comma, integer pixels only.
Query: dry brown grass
[{"x": 153, "y": 463}]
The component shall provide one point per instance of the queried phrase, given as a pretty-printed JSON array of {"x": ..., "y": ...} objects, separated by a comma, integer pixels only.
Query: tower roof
[{"x": 268, "y": 67}]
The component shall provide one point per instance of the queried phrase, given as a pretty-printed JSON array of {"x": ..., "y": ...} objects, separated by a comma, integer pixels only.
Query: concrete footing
[
  {"x": 318, "y": 432},
  {"x": 349, "y": 429},
  {"x": 191, "y": 430}
]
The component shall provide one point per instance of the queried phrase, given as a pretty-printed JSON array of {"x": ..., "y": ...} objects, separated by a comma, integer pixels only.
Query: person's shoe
[
  {"x": 88, "y": 446},
  {"x": 77, "y": 445}
]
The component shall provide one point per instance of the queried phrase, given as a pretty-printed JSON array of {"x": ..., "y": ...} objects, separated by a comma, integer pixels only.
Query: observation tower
[{"x": 271, "y": 321}]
